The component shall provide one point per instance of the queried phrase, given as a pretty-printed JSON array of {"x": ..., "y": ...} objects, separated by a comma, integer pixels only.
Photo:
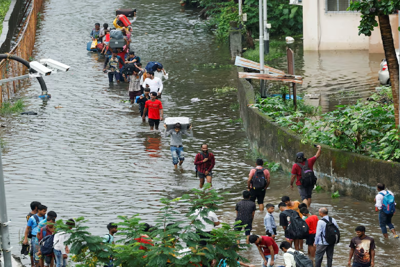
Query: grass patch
[
  {"x": 4, "y": 5},
  {"x": 225, "y": 89},
  {"x": 10, "y": 108}
]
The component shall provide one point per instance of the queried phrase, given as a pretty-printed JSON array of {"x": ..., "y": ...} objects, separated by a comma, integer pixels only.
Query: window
[{"x": 337, "y": 5}]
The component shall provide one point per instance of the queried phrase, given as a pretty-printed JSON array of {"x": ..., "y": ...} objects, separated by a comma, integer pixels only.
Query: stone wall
[
  {"x": 352, "y": 174},
  {"x": 10, "y": 25}
]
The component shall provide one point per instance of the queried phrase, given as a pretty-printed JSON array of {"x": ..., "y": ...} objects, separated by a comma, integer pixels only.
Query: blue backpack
[
  {"x": 46, "y": 245},
  {"x": 223, "y": 263},
  {"x": 388, "y": 205}
]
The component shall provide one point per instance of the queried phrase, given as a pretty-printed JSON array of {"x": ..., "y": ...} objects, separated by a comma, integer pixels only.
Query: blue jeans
[
  {"x": 385, "y": 219},
  {"x": 60, "y": 261},
  {"x": 177, "y": 153},
  {"x": 111, "y": 76},
  {"x": 35, "y": 248},
  {"x": 268, "y": 259}
]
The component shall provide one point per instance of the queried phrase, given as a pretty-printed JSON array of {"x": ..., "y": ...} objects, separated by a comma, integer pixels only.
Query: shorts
[
  {"x": 247, "y": 228},
  {"x": 134, "y": 94},
  {"x": 202, "y": 175},
  {"x": 305, "y": 192},
  {"x": 153, "y": 122},
  {"x": 257, "y": 194},
  {"x": 310, "y": 240}
]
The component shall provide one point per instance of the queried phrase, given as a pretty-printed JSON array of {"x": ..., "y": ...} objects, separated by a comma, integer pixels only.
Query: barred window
[{"x": 337, "y": 5}]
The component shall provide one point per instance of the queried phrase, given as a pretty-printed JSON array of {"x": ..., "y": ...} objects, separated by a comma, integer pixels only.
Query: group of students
[
  {"x": 320, "y": 234},
  {"x": 40, "y": 225}
]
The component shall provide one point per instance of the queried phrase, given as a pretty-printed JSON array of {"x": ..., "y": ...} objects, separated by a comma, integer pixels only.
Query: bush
[
  {"x": 367, "y": 127},
  {"x": 4, "y": 5}
]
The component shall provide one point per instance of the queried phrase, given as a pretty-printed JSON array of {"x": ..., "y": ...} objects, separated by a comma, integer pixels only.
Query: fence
[{"x": 23, "y": 49}]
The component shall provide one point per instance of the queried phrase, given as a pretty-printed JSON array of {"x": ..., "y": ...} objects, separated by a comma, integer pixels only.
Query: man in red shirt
[
  {"x": 155, "y": 111},
  {"x": 312, "y": 222},
  {"x": 267, "y": 247},
  {"x": 204, "y": 162},
  {"x": 304, "y": 191}
]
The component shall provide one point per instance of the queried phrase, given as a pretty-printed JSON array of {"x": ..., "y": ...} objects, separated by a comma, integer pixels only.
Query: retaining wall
[
  {"x": 352, "y": 174},
  {"x": 10, "y": 25}
]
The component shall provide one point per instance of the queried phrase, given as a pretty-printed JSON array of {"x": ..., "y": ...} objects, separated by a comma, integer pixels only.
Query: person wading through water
[{"x": 204, "y": 162}]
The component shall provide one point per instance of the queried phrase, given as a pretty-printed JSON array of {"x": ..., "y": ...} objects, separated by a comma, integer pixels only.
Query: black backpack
[
  {"x": 258, "y": 180},
  {"x": 308, "y": 178},
  {"x": 301, "y": 259},
  {"x": 332, "y": 233},
  {"x": 297, "y": 228},
  {"x": 130, "y": 68}
]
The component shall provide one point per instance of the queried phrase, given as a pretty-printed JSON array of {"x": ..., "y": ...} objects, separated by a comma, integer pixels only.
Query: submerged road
[{"x": 95, "y": 158}]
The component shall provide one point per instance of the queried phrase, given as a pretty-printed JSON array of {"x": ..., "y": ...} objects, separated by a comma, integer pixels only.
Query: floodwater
[{"x": 94, "y": 158}]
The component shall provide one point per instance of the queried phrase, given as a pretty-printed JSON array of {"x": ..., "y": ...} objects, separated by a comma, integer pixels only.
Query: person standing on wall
[
  {"x": 258, "y": 182},
  {"x": 204, "y": 162},
  {"x": 384, "y": 203},
  {"x": 302, "y": 170}
]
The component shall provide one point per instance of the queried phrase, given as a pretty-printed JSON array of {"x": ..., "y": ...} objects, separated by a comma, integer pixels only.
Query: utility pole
[
  {"x": 266, "y": 32},
  {"x": 261, "y": 43},
  {"x": 5, "y": 246}
]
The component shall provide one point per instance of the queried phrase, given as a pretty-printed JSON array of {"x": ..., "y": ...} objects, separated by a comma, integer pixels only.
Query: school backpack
[
  {"x": 130, "y": 68},
  {"x": 46, "y": 245},
  {"x": 388, "y": 204},
  {"x": 332, "y": 233},
  {"x": 37, "y": 222},
  {"x": 258, "y": 180},
  {"x": 301, "y": 259},
  {"x": 308, "y": 178},
  {"x": 223, "y": 263},
  {"x": 297, "y": 228}
]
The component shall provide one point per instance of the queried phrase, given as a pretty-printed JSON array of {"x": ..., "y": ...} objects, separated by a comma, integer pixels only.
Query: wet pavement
[{"x": 95, "y": 158}]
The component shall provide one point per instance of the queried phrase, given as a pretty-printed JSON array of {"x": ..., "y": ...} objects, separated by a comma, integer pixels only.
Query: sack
[
  {"x": 152, "y": 66},
  {"x": 100, "y": 46},
  {"x": 127, "y": 12},
  {"x": 301, "y": 259},
  {"x": 258, "y": 180},
  {"x": 388, "y": 204},
  {"x": 297, "y": 228},
  {"x": 116, "y": 34},
  {"x": 308, "y": 178},
  {"x": 332, "y": 233},
  {"x": 46, "y": 245},
  {"x": 94, "y": 44},
  {"x": 25, "y": 249}
]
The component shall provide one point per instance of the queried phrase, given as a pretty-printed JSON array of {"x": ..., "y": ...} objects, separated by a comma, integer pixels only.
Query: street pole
[
  {"x": 261, "y": 43},
  {"x": 5, "y": 246},
  {"x": 266, "y": 33}
]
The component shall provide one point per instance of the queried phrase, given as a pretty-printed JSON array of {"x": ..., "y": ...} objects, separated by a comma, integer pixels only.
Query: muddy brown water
[{"x": 94, "y": 158}]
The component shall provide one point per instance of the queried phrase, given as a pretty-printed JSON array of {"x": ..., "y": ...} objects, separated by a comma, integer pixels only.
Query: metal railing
[{"x": 23, "y": 48}]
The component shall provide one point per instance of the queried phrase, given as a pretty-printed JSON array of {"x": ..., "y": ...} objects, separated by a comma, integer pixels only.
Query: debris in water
[
  {"x": 58, "y": 107},
  {"x": 29, "y": 113},
  {"x": 195, "y": 99}
]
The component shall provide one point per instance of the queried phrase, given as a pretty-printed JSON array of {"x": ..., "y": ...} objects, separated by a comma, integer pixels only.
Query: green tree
[
  {"x": 175, "y": 230},
  {"x": 370, "y": 9}
]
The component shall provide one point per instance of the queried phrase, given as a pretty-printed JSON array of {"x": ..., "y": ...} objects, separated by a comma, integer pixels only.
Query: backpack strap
[
  {"x": 109, "y": 239},
  {"x": 36, "y": 219}
]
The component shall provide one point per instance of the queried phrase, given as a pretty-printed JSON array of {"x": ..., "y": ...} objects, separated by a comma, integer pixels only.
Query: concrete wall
[
  {"x": 375, "y": 40},
  {"x": 331, "y": 31},
  {"x": 352, "y": 174},
  {"x": 10, "y": 25}
]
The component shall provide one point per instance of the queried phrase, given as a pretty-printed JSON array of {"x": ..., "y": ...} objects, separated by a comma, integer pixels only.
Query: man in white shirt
[
  {"x": 161, "y": 73},
  {"x": 154, "y": 83},
  {"x": 208, "y": 226},
  {"x": 384, "y": 219},
  {"x": 60, "y": 248},
  {"x": 287, "y": 257}
]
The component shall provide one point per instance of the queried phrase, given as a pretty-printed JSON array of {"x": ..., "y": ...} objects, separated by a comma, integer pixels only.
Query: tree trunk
[{"x": 391, "y": 57}]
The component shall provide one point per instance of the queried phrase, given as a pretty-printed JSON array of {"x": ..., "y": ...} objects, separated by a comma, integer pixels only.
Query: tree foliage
[
  {"x": 285, "y": 19},
  {"x": 175, "y": 237}
]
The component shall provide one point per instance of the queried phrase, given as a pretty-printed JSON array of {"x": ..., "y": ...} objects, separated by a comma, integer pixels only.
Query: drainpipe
[
  {"x": 261, "y": 42},
  {"x": 266, "y": 33}
]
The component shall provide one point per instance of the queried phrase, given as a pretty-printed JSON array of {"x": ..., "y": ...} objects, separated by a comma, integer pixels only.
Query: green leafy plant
[
  {"x": 12, "y": 107},
  {"x": 4, "y": 6},
  {"x": 335, "y": 194},
  {"x": 272, "y": 166},
  {"x": 318, "y": 188},
  {"x": 174, "y": 238}
]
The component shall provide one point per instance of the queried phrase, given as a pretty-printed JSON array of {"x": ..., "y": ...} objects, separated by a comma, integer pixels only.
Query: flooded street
[{"x": 95, "y": 158}]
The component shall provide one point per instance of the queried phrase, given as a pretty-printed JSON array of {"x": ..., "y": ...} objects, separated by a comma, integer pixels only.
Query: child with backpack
[
  {"x": 258, "y": 182},
  {"x": 296, "y": 229},
  {"x": 294, "y": 258},
  {"x": 47, "y": 258},
  {"x": 385, "y": 204}
]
